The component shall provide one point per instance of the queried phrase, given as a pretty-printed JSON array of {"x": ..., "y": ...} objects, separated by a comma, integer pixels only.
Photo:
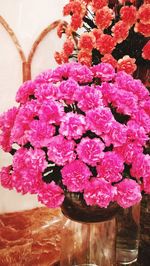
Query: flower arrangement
[
  {"x": 79, "y": 129},
  {"x": 114, "y": 31}
]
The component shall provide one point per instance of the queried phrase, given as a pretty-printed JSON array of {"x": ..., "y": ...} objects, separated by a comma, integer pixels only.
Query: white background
[{"x": 27, "y": 18}]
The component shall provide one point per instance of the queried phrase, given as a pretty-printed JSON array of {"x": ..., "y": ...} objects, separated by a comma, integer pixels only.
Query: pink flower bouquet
[
  {"x": 110, "y": 31},
  {"x": 79, "y": 129}
]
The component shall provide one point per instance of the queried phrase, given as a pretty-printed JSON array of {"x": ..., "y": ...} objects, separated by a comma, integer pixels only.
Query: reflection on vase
[
  {"x": 128, "y": 229},
  {"x": 89, "y": 233},
  {"x": 144, "y": 248}
]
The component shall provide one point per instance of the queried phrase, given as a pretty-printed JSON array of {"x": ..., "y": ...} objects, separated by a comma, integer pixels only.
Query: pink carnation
[
  {"x": 5, "y": 177},
  {"x": 60, "y": 150},
  {"x": 136, "y": 133},
  {"x": 104, "y": 71},
  {"x": 146, "y": 106},
  {"x": 129, "y": 151},
  {"x": 116, "y": 135},
  {"x": 25, "y": 116},
  {"x": 80, "y": 73},
  {"x": 51, "y": 195},
  {"x": 45, "y": 91},
  {"x": 111, "y": 167},
  {"x": 90, "y": 150},
  {"x": 51, "y": 111},
  {"x": 72, "y": 126},
  {"x": 75, "y": 176},
  {"x": 88, "y": 98},
  {"x": 7, "y": 120},
  {"x": 67, "y": 90},
  {"x": 28, "y": 166},
  {"x": 128, "y": 193},
  {"x": 99, "y": 192},
  {"x": 39, "y": 133},
  {"x": 126, "y": 82},
  {"x": 141, "y": 166},
  {"x": 126, "y": 102},
  {"x": 143, "y": 119},
  {"x": 98, "y": 120},
  {"x": 25, "y": 91}
]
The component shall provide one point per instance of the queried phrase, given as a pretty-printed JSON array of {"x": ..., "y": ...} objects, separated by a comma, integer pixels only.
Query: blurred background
[{"x": 24, "y": 20}]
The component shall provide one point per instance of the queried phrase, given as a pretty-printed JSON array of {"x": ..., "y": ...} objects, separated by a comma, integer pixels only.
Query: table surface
[{"x": 32, "y": 237}]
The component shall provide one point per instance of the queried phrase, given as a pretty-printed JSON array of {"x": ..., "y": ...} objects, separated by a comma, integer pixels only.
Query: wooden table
[{"x": 32, "y": 238}]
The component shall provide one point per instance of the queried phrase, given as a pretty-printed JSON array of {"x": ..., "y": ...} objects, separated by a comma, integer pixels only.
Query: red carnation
[
  {"x": 144, "y": 14},
  {"x": 128, "y": 14},
  {"x": 97, "y": 4},
  {"x": 104, "y": 17},
  {"x": 108, "y": 58},
  {"x": 105, "y": 44},
  {"x": 143, "y": 29},
  {"x": 146, "y": 51},
  {"x": 68, "y": 47},
  {"x": 120, "y": 31},
  {"x": 85, "y": 57},
  {"x": 87, "y": 41},
  {"x": 127, "y": 64}
]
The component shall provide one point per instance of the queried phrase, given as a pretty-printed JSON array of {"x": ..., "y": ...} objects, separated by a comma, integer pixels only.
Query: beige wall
[{"x": 27, "y": 18}]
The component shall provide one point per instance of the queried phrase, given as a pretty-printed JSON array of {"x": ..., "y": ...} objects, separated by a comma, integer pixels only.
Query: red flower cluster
[{"x": 106, "y": 31}]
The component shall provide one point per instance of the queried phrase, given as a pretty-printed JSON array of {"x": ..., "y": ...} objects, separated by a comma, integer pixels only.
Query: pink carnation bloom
[
  {"x": 67, "y": 90},
  {"x": 111, "y": 167},
  {"x": 72, "y": 126},
  {"x": 51, "y": 111},
  {"x": 129, "y": 151},
  {"x": 99, "y": 192},
  {"x": 98, "y": 120},
  {"x": 126, "y": 102},
  {"x": 126, "y": 82},
  {"x": 143, "y": 119},
  {"x": 25, "y": 91},
  {"x": 146, "y": 106},
  {"x": 136, "y": 133},
  {"x": 80, "y": 73},
  {"x": 5, "y": 177},
  {"x": 24, "y": 117},
  {"x": 89, "y": 98},
  {"x": 146, "y": 183},
  {"x": 44, "y": 77},
  {"x": 45, "y": 91},
  {"x": 104, "y": 71},
  {"x": 141, "y": 166},
  {"x": 7, "y": 120},
  {"x": 28, "y": 166},
  {"x": 116, "y": 135},
  {"x": 75, "y": 176},
  {"x": 61, "y": 150},
  {"x": 90, "y": 151},
  {"x": 109, "y": 92},
  {"x": 50, "y": 195},
  {"x": 23, "y": 183},
  {"x": 128, "y": 193},
  {"x": 39, "y": 133}
]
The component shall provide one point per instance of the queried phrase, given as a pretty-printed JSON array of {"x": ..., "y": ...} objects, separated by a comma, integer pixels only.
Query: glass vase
[
  {"x": 144, "y": 246},
  {"x": 89, "y": 233},
  {"x": 128, "y": 231}
]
